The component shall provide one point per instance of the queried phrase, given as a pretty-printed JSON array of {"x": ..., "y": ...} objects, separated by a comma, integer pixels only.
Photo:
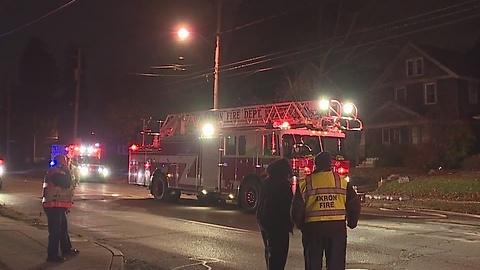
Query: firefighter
[
  {"x": 57, "y": 199},
  {"x": 273, "y": 213},
  {"x": 323, "y": 206}
]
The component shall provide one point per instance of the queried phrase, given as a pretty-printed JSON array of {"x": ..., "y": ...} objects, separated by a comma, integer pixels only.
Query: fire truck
[
  {"x": 85, "y": 161},
  {"x": 221, "y": 155}
]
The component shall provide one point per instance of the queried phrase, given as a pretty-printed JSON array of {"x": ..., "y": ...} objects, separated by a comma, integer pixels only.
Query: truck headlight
[
  {"x": 103, "y": 171},
  {"x": 84, "y": 171}
]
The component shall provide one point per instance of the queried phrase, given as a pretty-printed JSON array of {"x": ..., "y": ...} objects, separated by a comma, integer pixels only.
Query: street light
[{"x": 183, "y": 34}]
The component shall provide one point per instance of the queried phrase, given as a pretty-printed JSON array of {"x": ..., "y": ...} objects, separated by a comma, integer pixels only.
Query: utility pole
[
  {"x": 78, "y": 75},
  {"x": 9, "y": 116},
  {"x": 217, "y": 57}
]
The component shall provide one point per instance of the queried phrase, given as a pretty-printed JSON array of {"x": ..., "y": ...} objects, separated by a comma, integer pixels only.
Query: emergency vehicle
[
  {"x": 85, "y": 161},
  {"x": 221, "y": 155}
]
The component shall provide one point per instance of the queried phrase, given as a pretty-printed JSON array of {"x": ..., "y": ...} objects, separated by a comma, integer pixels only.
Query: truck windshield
[
  {"x": 296, "y": 146},
  {"x": 88, "y": 160},
  {"x": 334, "y": 146}
]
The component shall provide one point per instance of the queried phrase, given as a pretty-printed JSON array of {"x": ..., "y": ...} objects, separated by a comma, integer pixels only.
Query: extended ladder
[{"x": 307, "y": 113}]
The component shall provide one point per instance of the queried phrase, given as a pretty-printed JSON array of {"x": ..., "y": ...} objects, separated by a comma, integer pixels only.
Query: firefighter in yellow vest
[
  {"x": 323, "y": 206},
  {"x": 57, "y": 199}
]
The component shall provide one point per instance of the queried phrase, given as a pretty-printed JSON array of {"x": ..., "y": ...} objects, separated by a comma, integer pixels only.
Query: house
[{"x": 421, "y": 86}]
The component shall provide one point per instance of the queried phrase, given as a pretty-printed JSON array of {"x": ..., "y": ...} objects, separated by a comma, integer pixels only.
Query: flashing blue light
[{"x": 53, "y": 163}]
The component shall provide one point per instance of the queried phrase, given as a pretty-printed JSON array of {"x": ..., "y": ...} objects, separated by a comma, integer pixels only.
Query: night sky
[{"x": 123, "y": 38}]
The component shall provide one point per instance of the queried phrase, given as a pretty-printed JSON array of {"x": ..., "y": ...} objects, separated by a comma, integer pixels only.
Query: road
[{"x": 187, "y": 235}]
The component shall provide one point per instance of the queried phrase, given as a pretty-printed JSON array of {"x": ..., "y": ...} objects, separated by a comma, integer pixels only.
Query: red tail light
[{"x": 341, "y": 167}]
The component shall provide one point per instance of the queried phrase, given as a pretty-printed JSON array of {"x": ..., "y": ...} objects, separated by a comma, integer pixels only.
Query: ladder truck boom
[{"x": 325, "y": 116}]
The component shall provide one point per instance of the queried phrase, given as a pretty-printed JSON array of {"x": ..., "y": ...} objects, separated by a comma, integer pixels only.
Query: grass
[
  {"x": 18, "y": 216},
  {"x": 455, "y": 191}
]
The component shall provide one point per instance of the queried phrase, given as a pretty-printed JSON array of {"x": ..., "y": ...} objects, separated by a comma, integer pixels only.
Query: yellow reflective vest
[{"x": 325, "y": 196}]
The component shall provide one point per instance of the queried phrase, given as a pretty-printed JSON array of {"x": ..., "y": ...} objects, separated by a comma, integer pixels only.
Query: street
[{"x": 187, "y": 235}]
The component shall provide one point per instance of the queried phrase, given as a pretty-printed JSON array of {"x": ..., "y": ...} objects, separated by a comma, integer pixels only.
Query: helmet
[{"x": 323, "y": 161}]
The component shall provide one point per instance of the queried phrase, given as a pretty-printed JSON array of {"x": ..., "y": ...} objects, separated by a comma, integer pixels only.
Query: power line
[
  {"x": 317, "y": 46},
  {"x": 36, "y": 20}
]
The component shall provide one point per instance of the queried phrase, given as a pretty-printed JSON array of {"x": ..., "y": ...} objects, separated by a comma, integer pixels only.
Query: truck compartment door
[{"x": 210, "y": 152}]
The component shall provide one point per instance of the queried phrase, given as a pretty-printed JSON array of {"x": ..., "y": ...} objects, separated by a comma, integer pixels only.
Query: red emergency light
[
  {"x": 133, "y": 147},
  {"x": 341, "y": 167},
  {"x": 2, "y": 161}
]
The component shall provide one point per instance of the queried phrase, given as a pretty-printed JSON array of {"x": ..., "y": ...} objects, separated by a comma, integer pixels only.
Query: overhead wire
[
  {"x": 36, "y": 20},
  {"x": 315, "y": 45},
  {"x": 319, "y": 45}
]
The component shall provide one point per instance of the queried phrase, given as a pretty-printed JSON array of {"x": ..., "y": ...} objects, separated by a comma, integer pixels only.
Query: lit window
[
  {"x": 430, "y": 93},
  {"x": 400, "y": 94}
]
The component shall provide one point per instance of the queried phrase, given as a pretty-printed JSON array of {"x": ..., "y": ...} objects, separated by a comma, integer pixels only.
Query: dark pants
[
  {"x": 276, "y": 249},
  {"x": 334, "y": 247},
  {"x": 57, "y": 231}
]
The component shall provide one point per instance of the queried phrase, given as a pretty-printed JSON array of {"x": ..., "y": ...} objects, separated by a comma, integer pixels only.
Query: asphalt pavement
[{"x": 24, "y": 246}]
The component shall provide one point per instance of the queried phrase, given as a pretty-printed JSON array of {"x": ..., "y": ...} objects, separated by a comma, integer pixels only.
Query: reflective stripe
[
  {"x": 325, "y": 213},
  {"x": 338, "y": 183},
  {"x": 325, "y": 191},
  {"x": 57, "y": 204},
  {"x": 324, "y": 194},
  {"x": 53, "y": 196}
]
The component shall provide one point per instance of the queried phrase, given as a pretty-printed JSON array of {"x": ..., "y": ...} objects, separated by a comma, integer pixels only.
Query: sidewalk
[{"x": 23, "y": 246}]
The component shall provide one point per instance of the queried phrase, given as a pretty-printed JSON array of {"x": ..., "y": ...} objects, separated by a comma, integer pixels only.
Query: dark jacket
[
  {"x": 60, "y": 177},
  {"x": 327, "y": 228},
  {"x": 273, "y": 212}
]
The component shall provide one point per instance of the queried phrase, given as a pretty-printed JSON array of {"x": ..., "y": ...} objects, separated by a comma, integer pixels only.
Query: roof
[
  {"x": 392, "y": 114},
  {"x": 454, "y": 63}
]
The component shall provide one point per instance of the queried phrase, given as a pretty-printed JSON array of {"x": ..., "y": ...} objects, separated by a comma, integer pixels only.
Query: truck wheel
[
  {"x": 249, "y": 194},
  {"x": 161, "y": 192},
  {"x": 159, "y": 188}
]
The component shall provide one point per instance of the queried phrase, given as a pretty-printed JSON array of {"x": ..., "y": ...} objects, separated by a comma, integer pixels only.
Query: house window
[
  {"x": 473, "y": 93},
  {"x": 391, "y": 136},
  {"x": 400, "y": 94},
  {"x": 385, "y": 135},
  {"x": 419, "y": 66},
  {"x": 430, "y": 93},
  {"x": 414, "y": 67},
  {"x": 410, "y": 68}
]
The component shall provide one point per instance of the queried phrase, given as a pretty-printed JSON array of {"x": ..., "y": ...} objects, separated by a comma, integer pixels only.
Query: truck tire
[
  {"x": 249, "y": 195},
  {"x": 160, "y": 191},
  {"x": 159, "y": 188}
]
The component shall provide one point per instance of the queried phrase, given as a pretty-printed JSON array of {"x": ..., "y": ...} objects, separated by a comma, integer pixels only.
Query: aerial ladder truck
[{"x": 221, "y": 154}]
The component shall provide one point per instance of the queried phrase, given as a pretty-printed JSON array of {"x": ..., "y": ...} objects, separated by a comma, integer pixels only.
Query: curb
[
  {"x": 117, "y": 256},
  {"x": 452, "y": 213}
]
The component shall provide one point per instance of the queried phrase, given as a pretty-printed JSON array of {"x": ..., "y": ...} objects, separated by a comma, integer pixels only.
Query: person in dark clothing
[
  {"x": 57, "y": 199},
  {"x": 273, "y": 213},
  {"x": 323, "y": 206}
]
